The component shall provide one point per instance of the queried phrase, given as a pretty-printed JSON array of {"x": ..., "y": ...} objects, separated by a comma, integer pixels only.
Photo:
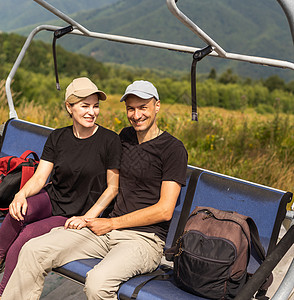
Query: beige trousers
[{"x": 125, "y": 254}]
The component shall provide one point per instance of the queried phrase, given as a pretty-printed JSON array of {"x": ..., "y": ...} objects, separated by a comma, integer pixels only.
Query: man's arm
[{"x": 159, "y": 212}]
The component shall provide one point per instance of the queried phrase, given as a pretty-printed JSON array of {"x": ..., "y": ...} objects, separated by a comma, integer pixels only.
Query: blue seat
[
  {"x": 78, "y": 269},
  {"x": 19, "y": 135}
]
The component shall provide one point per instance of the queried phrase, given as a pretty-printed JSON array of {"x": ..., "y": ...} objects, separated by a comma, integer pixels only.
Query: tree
[
  {"x": 274, "y": 82},
  {"x": 228, "y": 77},
  {"x": 212, "y": 74}
]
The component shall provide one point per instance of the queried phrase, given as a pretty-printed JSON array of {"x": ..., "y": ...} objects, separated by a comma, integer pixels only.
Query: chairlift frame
[{"x": 217, "y": 51}]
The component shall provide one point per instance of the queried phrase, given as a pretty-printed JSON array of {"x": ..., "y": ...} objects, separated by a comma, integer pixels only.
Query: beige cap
[{"x": 83, "y": 87}]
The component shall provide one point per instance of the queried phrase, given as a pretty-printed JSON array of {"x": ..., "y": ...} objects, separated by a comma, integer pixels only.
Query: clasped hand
[{"x": 99, "y": 226}]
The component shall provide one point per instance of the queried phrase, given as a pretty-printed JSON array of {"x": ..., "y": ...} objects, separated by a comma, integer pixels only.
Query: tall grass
[{"x": 258, "y": 148}]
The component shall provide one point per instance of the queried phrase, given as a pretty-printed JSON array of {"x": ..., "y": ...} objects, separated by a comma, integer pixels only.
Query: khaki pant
[{"x": 125, "y": 254}]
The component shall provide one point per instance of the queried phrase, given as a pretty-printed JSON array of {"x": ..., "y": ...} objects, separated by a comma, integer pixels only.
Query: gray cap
[{"x": 141, "y": 88}]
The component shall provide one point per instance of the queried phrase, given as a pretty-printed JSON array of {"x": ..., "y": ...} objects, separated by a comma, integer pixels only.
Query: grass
[{"x": 243, "y": 144}]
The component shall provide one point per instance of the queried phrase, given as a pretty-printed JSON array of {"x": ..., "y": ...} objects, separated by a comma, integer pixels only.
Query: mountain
[
  {"x": 15, "y": 14},
  {"x": 248, "y": 27}
]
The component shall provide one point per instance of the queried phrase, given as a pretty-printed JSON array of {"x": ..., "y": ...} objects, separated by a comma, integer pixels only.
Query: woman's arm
[
  {"x": 103, "y": 201},
  {"x": 18, "y": 206}
]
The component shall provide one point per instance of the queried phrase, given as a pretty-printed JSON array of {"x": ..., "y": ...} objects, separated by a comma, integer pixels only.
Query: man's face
[{"x": 141, "y": 113}]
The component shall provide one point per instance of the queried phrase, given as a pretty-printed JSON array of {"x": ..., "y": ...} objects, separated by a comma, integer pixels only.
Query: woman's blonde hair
[{"x": 71, "y": 100}]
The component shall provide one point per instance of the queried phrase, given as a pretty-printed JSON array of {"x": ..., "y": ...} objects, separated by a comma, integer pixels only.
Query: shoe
[{"x": 2, "y": 266}]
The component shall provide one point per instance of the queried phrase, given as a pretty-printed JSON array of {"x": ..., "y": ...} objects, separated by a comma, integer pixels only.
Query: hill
[{"x": 15, "y": 14}]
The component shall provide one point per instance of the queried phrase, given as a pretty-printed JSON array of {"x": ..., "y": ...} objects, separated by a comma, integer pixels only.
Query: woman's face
[{"x": 85, "y": 112}]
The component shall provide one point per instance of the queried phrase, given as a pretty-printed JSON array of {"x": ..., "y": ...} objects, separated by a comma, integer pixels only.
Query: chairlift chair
[{"x": 212, "y": 49}]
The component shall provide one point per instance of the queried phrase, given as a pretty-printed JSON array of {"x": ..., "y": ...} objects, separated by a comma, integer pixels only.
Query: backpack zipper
[{"x": 209, "y": 214}]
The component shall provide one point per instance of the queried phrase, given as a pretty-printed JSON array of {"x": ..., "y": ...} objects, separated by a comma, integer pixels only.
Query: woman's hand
[
  {"x": 75, "y": 223},
  {"x": 18, "y": 207}
]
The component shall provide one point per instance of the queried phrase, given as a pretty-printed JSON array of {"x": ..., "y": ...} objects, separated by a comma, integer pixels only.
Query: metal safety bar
[{"x": 81, "y": 30}]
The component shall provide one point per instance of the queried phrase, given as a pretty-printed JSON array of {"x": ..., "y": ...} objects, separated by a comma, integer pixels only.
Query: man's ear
[{"x": 157, "y": 106}]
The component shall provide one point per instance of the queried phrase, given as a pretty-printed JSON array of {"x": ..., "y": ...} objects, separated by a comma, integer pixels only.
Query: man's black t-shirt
[
  {"x": 80, "y": 165},
  {"x": 143, "y": 168}
]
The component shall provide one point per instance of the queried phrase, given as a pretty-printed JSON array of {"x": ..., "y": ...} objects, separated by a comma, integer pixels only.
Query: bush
[{"x": 264, "y": 109}]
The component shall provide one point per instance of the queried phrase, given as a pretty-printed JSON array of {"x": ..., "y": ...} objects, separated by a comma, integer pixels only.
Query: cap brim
[
  {"x": 102, "y": 96},
  {"x": 140, "y": 94}
]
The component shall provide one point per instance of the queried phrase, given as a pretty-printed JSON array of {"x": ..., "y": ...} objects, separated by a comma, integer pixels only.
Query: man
[{"x": 131, "y": 240}]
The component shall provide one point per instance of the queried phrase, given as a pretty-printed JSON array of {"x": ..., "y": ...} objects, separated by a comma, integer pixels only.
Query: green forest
[{"x": 35, "y": 80}]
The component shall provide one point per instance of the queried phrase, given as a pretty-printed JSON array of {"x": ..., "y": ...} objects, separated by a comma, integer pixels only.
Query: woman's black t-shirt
[
  {"x": 79, "y": 173},
  {"x": 143, "y": 168}
]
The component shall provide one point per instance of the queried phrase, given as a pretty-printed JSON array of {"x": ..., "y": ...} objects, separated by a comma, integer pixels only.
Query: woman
[{"x": 83, "y": 160}]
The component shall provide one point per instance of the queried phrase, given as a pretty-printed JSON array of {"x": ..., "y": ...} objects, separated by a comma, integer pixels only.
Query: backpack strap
[
  {"x": 159, "y": 274},
  {"x": 261, "y": 293},
  {"x": 27, "y": 153},
  {"x": 26, "y": 173},
  {"x": 9, "y": 164},
  {"x": 187, "y": 204},
  {"x": 256, "y": 239}
]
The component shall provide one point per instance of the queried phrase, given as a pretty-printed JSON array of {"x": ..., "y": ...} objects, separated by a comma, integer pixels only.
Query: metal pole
[
  {"x": 194, "y": 28},
  {"x": 287, "y": 285},
  {"x": 12, "y": 112},
  {"x": 288, "y": 7},
  {"x": 62, "y": 16}
]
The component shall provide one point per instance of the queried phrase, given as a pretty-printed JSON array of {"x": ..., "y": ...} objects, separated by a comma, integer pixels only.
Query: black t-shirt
[
  {"x": 143, "y": 168},
  {"x": 80, "y": 165}
]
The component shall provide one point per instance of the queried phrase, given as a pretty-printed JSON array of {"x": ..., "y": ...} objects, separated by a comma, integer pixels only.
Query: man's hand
[
  {"x": 75, "y": 223},
  {"x": 99, "y": 226}
]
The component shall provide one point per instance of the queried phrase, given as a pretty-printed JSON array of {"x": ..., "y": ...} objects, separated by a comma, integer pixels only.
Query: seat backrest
[
  {"x": 265, "y": 205},
  {"x": 19, "y": 135}
]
